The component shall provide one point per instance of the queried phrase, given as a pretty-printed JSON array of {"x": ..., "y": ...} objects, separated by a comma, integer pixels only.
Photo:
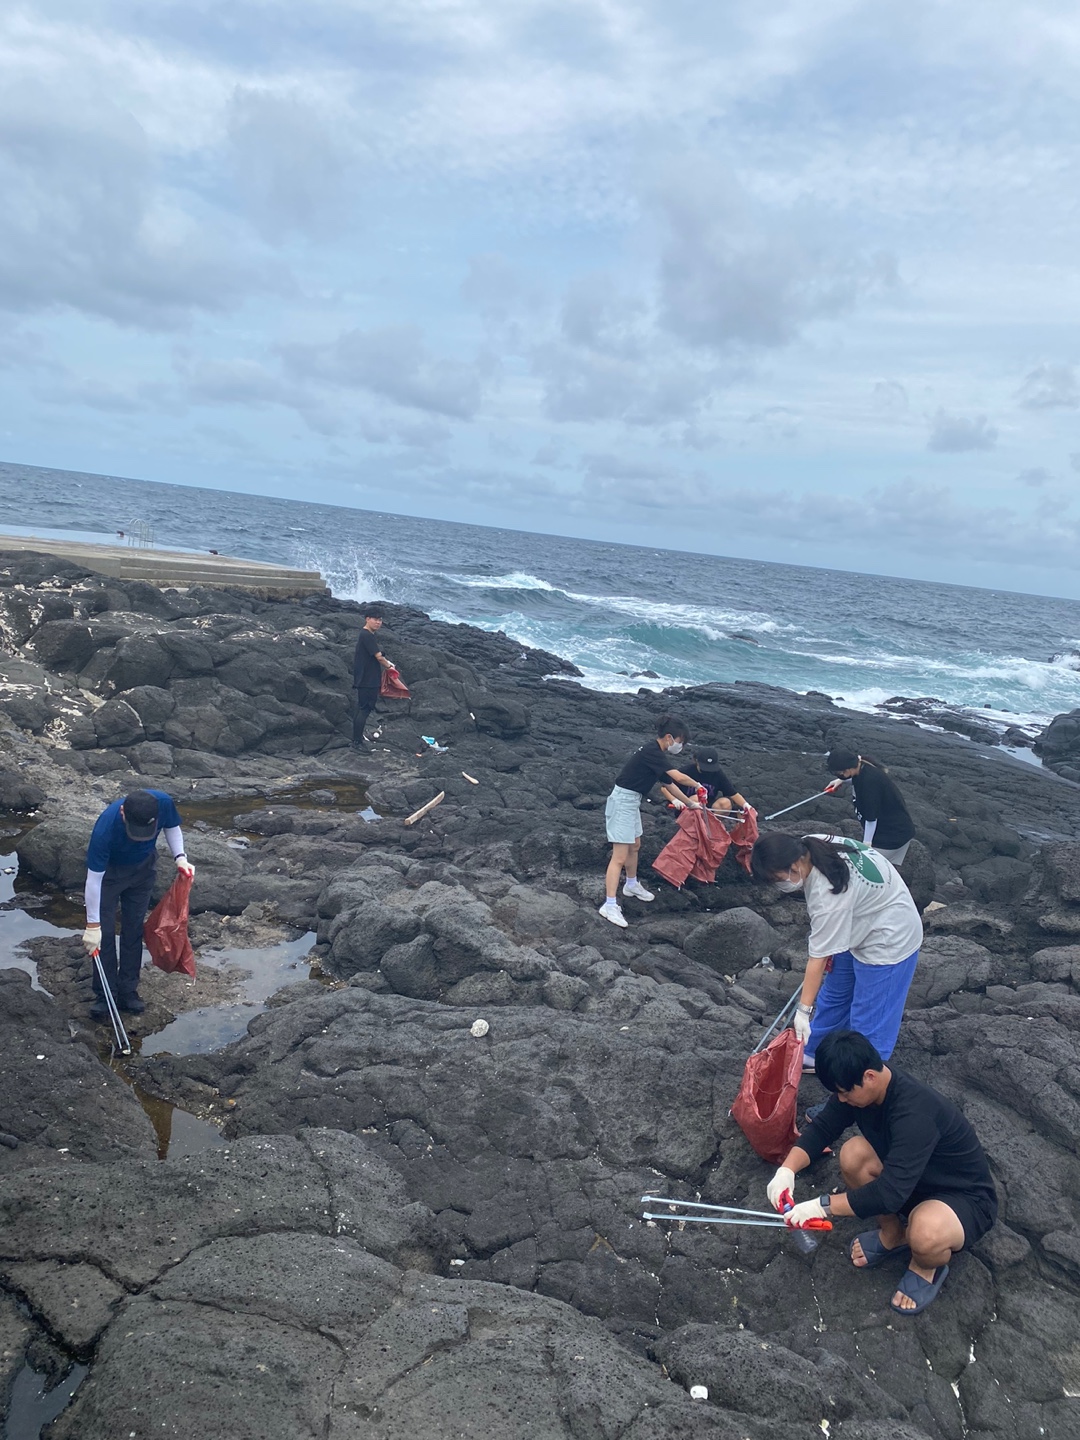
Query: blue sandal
[
  {"x": 874, "y": 1252},
  {"x": 923, "y": 1292}
]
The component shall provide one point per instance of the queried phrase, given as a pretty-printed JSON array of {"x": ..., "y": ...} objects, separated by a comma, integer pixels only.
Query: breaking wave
[{"x": 626, "y": 616}]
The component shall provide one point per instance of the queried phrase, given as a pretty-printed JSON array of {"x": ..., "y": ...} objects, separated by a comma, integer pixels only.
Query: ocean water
[{"x": 618, "y": 611}]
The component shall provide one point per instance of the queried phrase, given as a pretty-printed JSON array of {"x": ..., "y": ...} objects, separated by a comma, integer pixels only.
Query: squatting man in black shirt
[{"x": 918, "y": 1166}]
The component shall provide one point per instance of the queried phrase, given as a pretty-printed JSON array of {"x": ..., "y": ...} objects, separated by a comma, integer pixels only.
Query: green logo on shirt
[{"x": 862, "y": 864}]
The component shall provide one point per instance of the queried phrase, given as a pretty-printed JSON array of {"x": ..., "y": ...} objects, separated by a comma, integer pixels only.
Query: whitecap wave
[
  {"x": 356, "y": 575},
  {"x": 667, "y": 615},
  {"x": 516, "y": 580},
  {"x": 1011, "y": 669}
]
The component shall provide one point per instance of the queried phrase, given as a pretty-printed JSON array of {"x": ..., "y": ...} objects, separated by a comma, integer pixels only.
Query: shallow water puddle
[
  {"x": 33, "y": 1407},
  {"x": 18, "y": 925},
  {"x": 271, "y": 968},
  {"x": 195, "y": 1032},
  {"x": 178, "y": 1132},
  {"x": 314, "y": 795}
]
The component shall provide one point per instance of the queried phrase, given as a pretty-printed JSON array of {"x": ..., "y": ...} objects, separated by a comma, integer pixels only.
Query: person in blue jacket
[{"x": 121, "y": 861}]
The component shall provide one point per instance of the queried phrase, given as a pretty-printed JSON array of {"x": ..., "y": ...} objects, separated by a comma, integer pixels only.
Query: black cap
[
  {"x": 707, "y": 756},
  {"x": 141, "y": 815}
]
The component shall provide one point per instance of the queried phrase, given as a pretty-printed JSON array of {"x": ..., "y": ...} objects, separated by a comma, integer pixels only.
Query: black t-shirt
[
  {"x": 644, "y": 768},
  {"x": 876, "y": 798},
  {"x": 367, "y": 672},
  {"x": 926, "y": 1146},
  {"x": 715, "y": 781}
]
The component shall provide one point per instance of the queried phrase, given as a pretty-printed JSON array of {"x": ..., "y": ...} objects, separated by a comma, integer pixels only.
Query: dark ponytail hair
[
  {"x": 842, "y": 759},
  {"x": 777, "y": 851}
]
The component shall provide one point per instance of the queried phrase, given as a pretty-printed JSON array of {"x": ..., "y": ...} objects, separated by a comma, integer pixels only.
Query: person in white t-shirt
[{"x": 865, "y": 934}]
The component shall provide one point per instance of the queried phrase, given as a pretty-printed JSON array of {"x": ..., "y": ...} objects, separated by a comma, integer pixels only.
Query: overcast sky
[{"x": 793, "y": 280}]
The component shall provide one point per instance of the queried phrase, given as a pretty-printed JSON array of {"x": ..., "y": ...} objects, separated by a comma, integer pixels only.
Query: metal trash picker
[
  {"x": 123, "y": 1044},
  {"x": 779, "y": 1022},
  {"x": 727, "y": 1215},
  {"x": 816, "y": 796}
]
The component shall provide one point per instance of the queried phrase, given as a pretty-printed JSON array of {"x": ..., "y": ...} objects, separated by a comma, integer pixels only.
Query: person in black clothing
[
  {"x": 917, "y": 1166},
  {"x": 705, "y": 771},
  {"x": 368, "y": 664},
  {"x": 879, "y": 806},
  {"x": 622, "y": 814}
]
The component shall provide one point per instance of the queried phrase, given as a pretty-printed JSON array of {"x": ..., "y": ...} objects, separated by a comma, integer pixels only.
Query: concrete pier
[{"x": 178, "y": 568}]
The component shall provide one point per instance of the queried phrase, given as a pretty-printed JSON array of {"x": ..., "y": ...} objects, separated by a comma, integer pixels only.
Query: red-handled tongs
[{"x": 725, "y": 1215}]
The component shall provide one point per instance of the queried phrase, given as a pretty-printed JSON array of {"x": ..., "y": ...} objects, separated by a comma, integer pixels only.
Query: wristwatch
[
  {"x": 805, "y": 1009},
  {"x": 823, "y": 1201}
]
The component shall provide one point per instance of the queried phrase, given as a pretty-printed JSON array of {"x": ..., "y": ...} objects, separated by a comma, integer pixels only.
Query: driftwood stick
[{"x": 419, "y": 814}]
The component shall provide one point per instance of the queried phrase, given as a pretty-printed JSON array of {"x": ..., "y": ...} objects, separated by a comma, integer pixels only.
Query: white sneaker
[
  {"x": 637, "y": 890},
  {"x": 612, "y": 910}
]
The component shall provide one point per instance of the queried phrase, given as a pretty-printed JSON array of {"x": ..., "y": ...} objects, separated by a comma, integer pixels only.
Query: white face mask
[
  {"x": 675, "y": 748},
  {"x": 788, "y": 887}
]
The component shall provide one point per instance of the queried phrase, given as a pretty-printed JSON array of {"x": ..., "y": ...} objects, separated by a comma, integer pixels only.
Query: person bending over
[
  {"x": 121, "y": 860},
  {"x": 705, "y": 771},
  {"x": 622, "y": 813},
  {"x": 368, "y": 664},
  {"x": 865, "y": 934},
  {"x": 879, "y": 806},
  {"x": 917, "y": 1166}
]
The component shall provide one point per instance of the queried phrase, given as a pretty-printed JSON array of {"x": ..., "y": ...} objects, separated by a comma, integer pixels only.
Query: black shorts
[{"x": 975, "y": 1209}]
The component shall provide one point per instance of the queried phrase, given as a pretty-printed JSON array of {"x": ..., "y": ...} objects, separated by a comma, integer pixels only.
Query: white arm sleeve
[
  {"x": 174, "y": 838},
  {"x": 869, "y": 826},
  {"x": 92, "y": 896}
]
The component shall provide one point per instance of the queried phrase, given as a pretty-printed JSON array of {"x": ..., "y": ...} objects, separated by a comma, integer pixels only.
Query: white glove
[
  {"x": 91, "y": 938},
  {"x": 784, "y": 1179},
  {"x": 802, "y": 1025},
  {"x": 832, "y": 787},
  {"x": 184, "y": 865},
  {"x": 808, "y": 1210}
]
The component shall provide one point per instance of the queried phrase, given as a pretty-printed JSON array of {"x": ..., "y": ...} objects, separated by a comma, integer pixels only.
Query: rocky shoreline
[{"x": 415, "y": 1229}]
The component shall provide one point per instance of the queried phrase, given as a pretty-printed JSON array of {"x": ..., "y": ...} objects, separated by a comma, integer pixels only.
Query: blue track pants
[{"x": 867, "y": 998}]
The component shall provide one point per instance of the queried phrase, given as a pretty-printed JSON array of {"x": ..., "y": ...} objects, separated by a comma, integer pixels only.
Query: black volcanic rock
[
  {"x": 1058, "y": 746},
  {"x": 372, "y": 1135},
  {"x": 57, "y": 1103}
]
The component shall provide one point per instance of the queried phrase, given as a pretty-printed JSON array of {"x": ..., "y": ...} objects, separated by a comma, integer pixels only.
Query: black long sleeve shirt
[
  {"x": 876, "y": 797},
  {"x": 924, "y": 1141}
]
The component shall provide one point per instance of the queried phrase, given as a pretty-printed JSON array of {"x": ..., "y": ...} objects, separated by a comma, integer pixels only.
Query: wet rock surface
[
  {"x": 422, "y": 1225},
  {"x": 1058, "y": 746}
]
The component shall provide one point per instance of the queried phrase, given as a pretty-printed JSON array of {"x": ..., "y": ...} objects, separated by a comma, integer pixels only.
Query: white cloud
[
  {"x": 735, "y": 273},
  {"x": 1035, "y": 478},
  {"x": 392, "y": 362},
  {"x": 1050, "y": 387},
  {"x": 953, "y": 434}
]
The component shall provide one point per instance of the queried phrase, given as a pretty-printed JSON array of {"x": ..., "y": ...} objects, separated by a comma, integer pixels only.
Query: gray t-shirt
[{"x": 875, "y": 917}]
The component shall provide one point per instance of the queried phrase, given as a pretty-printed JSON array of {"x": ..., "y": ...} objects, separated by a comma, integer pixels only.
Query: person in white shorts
[{"x": 645, "y": 768}]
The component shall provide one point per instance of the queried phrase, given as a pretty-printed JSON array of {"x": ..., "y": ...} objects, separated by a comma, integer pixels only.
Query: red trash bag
[
  {"x": 392, "y": 685},
  {"x": 767, "y": 1103},
  {"x": 165, "y": 933}
]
